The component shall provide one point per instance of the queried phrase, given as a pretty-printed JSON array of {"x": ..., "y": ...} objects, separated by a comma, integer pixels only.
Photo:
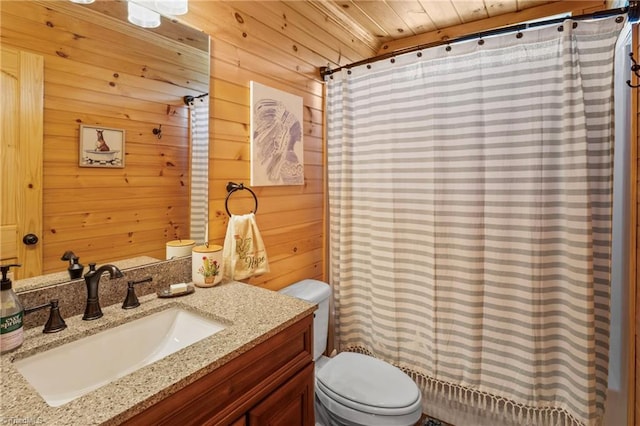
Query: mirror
[{"x": 104, "y": 73}]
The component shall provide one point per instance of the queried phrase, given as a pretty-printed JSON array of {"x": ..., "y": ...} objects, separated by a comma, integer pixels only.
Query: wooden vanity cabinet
[
  {"x": 288, "y": 405},
  {"x": 270, "y": 384}
]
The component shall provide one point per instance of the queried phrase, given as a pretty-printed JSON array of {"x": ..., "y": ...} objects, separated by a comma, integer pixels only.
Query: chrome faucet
[{"x": 92, "y": 279}]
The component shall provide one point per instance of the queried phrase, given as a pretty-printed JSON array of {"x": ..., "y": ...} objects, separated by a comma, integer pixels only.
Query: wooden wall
[
  {"x": 110, "y": 214},
  {"x": 96, "y": 74},
  {"x": 281, "y": 45},
  {"x": 100, "y": 71}
]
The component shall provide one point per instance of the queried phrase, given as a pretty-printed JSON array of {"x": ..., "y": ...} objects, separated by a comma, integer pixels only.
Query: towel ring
[{"x": 233, "y": 187}]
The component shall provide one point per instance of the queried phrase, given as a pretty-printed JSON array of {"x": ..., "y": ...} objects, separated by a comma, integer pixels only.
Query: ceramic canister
[
  {"x": 179, "y": 248},
  {"x": 206, "y": 265}
]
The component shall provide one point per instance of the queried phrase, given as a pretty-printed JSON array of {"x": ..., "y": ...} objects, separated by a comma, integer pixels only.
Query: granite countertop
[{"x": 251, "y": 315}]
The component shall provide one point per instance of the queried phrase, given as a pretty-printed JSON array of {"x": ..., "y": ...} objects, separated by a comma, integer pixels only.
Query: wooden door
[{"x": 21, "y": 136}]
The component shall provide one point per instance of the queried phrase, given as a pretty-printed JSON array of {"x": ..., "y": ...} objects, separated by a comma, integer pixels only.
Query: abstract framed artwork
[
  {"x": 101, "y": 147},
  {"x": 277, "y": 154}
]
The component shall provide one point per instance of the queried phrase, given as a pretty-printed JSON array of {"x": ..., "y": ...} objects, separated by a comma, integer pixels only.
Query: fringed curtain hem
[{"x": 504, "y": 407}]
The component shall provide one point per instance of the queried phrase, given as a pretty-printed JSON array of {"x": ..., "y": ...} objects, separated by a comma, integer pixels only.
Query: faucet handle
[
  {"x": 131, "y": 301},
  {"x": 55, "y": 322},
  {"x": 92, "y": 269}
]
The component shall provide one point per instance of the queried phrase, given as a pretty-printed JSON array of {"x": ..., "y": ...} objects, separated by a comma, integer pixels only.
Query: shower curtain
[
  {"x": 199, "y": 132},
  {"x": 470, "y": 191}
]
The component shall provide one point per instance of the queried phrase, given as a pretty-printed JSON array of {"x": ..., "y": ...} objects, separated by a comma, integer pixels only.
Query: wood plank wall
[
  {"x": 111, "y": 214},
  {"x": 105, "y": 215},
  {"x": 281, "y": 45},
  {"x": 99, "y": 71}
]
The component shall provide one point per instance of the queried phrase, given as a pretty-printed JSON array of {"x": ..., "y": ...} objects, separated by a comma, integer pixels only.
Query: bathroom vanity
[
  {"x": 257, "y": 370},
  {"x": 271, "y": 384}
]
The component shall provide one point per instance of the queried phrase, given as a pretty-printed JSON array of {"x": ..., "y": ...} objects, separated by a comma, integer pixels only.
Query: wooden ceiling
[
  {"x": 389, "y": 25},
  {"x": 339, "y": 32}
]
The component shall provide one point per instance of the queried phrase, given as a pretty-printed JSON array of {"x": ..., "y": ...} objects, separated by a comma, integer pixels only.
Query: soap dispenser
[
  {"x": 11, "y": 314},
  {"x": 75, "y": 268}
]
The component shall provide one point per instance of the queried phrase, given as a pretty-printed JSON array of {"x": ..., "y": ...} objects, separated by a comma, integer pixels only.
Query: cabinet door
[
  {"x": 242, "y": 421},
  {"x": 291, "y": 404}
]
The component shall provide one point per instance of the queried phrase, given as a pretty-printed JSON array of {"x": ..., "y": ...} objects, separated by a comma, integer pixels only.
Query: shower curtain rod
[{"x": 633, "y": 11}]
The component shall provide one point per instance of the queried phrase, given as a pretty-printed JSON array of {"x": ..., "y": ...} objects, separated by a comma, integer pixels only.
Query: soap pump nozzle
[
  {"x": 69, "y": 255},
  {"x": 5, "y": 284}
]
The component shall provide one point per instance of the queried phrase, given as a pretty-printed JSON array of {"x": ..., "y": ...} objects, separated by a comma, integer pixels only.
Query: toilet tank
[{"x": 318, "y": 292}]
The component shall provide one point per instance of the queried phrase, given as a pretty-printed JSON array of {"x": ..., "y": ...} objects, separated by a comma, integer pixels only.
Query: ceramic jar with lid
[
  {"x": 206, "y": 265},
  {"x": 179, "y": 248}
]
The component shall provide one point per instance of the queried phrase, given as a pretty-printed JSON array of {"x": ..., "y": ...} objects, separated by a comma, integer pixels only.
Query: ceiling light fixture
[
  {"x": 172, "y": 7},
  {"x": 147, "y": 13},
  {"x": 142, "y": 16}
]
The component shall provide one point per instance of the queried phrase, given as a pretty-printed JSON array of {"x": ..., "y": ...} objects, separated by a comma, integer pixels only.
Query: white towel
[{"x": 243, "y": 255}]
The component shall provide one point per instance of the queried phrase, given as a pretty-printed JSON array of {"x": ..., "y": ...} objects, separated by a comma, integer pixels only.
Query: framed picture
[
  {"x": 277, "y": 155},
  {"x": 101, "y": 147}
]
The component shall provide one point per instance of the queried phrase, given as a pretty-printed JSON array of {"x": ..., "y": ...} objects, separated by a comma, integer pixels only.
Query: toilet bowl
[{"x": 353, "y": 389}]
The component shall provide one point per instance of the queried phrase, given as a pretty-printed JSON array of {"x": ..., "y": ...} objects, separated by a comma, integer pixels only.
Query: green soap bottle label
[{"x": 11, "y": 323}]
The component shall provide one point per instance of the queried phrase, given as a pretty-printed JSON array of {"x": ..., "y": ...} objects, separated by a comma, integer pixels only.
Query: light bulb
[
  {"x": 172, "y": 7},
  {"x": 141, "y": 16}
]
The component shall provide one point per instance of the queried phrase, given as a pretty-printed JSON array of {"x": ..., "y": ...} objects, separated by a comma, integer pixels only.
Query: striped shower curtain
[
  {"x": 199, "y": 136},
  {"x": 470, "y": 193}
]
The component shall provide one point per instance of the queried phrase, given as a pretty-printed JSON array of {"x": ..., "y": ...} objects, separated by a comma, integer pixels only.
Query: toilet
[{"x": 353, "y": 389}]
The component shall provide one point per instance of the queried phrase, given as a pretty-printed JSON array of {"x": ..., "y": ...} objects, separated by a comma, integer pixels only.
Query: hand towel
[{"x": 243, "y": 254}]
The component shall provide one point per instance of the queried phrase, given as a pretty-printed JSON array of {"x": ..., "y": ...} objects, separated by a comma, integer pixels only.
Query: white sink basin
[{"x": 69, "y": 371}]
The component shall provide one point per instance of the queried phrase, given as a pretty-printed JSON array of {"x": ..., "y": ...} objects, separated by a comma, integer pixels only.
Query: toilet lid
[{"x": 368, "y": 384}]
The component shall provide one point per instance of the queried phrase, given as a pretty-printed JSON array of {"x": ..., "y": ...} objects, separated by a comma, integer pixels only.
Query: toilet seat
[
  {"x": 332, "y": 413},
  {"x": 368, "y": 385}
]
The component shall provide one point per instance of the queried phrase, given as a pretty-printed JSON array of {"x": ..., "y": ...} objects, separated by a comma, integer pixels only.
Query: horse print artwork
[{"x": 101, "y": 147}]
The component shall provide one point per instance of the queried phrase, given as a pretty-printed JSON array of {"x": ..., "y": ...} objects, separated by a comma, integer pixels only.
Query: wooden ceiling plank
[
  {"x": 451, "y": 33},
  {"x": 527, "y": 4},
  {"x": 355, "y": 14},
  {"x": 413, "y": 14},
  {"x": 470, "y": 10},
  {"x": 500, "y": 7},
  {"x": 442, "y": 13},
  {"x": 331, "y": 12},
  {"x": 385, "y": 17}
]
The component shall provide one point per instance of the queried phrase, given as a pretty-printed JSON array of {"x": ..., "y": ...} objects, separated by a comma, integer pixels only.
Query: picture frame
[
  {"x": 101, "y": 147},
  {"x": 277, "y": 150}
]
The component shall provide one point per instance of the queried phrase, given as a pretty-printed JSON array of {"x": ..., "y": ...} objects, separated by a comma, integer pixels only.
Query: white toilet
[{"x": 354, "y": 389}]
